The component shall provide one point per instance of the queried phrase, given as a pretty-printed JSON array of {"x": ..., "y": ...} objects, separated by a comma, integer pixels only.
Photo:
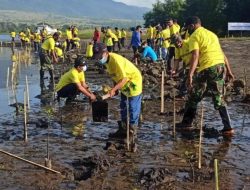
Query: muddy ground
[{"x": 87, "y": 159}]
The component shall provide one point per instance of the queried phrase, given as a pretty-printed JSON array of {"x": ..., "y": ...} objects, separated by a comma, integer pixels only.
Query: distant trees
[
  {"x": 214, "y": 13},
  {"x": 6, "y": 27}
]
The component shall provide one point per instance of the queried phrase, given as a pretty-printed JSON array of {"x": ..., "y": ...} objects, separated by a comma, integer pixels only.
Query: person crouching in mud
[
  {"x": 128, "y": 79},
  {"x": 73, "y": 82}
]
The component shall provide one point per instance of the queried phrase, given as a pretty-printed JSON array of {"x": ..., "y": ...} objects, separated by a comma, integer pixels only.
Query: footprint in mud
[
  {"x": 91, "y": 166},
  {"x": 153, "y": 177}
]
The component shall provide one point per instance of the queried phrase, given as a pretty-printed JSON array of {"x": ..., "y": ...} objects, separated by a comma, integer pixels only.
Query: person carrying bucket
[{"x": 128, "y": 80}]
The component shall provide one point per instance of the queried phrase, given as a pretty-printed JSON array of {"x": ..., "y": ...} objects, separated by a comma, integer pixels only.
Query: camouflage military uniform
[{"x": 209, "y": 80}]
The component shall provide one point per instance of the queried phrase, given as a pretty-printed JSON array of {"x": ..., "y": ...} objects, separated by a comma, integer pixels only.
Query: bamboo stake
[
  {"x": 216, "y": 174},
  {"x": 1, "y": 43},
  {"x": 30, "y": 162},
  {"x": 174, "y": 124},
  {"x": 25, "y": 117},
  {"x": 162, "y": 92},
  {"x": 202, "y": 112},
  {"x": 128, "y": 144},
  {"x": 27, "y": 92},
  {"x": 8, "y": 76}
]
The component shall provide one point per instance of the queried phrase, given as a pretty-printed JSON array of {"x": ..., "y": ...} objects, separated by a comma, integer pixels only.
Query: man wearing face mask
[
  {"x": 206, "y": 53},
  {"x": 73, "y": 82},
  {"x": 128, "y": 80}
]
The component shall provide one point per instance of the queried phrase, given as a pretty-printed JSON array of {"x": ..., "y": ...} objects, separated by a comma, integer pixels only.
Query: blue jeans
[{"x": 134, "y": 108}]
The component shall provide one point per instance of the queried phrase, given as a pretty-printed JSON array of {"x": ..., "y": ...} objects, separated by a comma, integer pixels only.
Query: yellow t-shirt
[
  {"x": 183, "y": 52},
  {"x": 108, "y": 39},
  {"x": 69, "y": 34},
  {"x": 123, "y": 33},
  {"x": 165, "y": 36},
  {"x": 118, "y": 68},
  {"x": 49, "y": 44},
  {"x": 37, "y": 37},
  {"x": 209, "y": 47},
  {"x": 173, "y": 30},
  {"x": 13, "y": 34},
  {"x": 150, "y": 32},
  {"x": 118, "y": 34},
  {"x": 22, "y": 35},
  {"x": 114, "y": 37},
  {"x": 72, "y": 76},
  {"x": 59, "y": 52},
  {"x": 89, "y": 51}
]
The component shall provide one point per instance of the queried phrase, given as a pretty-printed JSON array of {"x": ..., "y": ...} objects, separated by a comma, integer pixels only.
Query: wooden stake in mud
[
  {"x": 162, "y": 92},
  {"x": 216, "y": 174},
  {"x": 8, "y": 76},
  {"x": 1, "y": 44},
  {"x": 25, "y": 116},
  {"x": 27, "y": 92},
  {"x": 174, "y": 115},
  {"x": 30, "y": 162},
  {"x": 202, "y": 112},
  {"x": 128, "y": 144}
]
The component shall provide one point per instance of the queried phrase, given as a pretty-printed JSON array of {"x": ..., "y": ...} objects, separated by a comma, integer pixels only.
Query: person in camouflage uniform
[
  {"x": 210, "y": 65},
  {"x": 48, "y": 56}
]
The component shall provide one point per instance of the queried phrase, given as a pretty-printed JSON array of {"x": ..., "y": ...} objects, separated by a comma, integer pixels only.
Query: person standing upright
[{"x": 206, "y": 53}]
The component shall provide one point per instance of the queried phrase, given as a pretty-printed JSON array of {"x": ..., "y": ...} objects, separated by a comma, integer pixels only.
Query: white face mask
[
  {"x": 84, "y": 68},
  {"x": 103, "y": 60}
]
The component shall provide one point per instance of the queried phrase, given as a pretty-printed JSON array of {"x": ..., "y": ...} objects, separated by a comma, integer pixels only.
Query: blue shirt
[
  {"x": 149, "y": 52},
  {"x": 136, "y": 39}
]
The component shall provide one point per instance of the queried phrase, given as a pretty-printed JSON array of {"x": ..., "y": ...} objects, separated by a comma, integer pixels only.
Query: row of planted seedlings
[{"x": 23, "y": 57}]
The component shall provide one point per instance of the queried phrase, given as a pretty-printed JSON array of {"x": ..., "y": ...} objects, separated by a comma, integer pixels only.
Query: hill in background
[{"x": 76, "y": 8}]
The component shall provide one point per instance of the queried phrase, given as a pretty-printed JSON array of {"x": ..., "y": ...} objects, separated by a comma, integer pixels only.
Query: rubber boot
[
  {"x": 121, "y": 132},
  {"x": 187, "y": 120},
  {"x": 41, "y": 75},
  {"x": 226, "y": 121}
]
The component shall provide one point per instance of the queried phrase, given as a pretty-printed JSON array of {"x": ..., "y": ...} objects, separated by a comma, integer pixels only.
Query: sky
[{"x": 139, "y": 3}]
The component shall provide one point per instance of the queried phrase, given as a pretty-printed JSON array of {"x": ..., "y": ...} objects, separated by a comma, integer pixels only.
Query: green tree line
[{"x": 214, "y": 14}]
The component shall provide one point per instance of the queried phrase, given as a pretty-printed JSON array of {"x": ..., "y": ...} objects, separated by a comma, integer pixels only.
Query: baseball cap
[{"x": 80, "y": 62}]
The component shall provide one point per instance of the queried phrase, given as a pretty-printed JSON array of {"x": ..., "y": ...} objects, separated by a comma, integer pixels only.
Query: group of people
[{"x": 204, "y": 62}]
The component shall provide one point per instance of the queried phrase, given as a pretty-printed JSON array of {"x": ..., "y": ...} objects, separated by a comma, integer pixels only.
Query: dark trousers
[
  {"x": 68, "y": 91},
  {"x": 170, "y": 57}
]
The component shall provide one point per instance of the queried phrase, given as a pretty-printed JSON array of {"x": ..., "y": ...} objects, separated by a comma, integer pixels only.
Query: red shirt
[{"x": 97, "y": 36}]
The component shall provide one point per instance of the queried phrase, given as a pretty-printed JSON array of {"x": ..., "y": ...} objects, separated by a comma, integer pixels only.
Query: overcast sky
[{"x": 140, "y": 3}]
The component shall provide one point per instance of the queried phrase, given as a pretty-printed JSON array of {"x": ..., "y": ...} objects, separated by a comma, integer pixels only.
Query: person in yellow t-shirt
[
  {"x": 107, "y": 39},
  {"x": 37, "y": 41},
  {"x": 182, "y": 54},
  {"x": 13, "y": 35},
  {"x": 150, "y": 36},
  {"x": 75, "y": 42},
  {"x": 124, "y": 36},
  {"x": 173, "y": 30},
  {"x": 48, "y": 56},
  {"x": 69, "y": 38},
  {"x": 119, "y": 36},
  {"x": 128, "y": 79},
  {"x": 22, "y": 37},
  {"x": 212, "y": 64},
  {"x": 165, "y": 42},
  {"x": 73, "y": 82}
]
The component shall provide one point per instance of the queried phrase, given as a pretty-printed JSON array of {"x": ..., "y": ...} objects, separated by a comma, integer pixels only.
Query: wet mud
[{"x": 88, "y": 159}]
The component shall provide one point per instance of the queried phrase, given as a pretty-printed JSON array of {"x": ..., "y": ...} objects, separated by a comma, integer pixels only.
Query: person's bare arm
[
  {"x": 118, "y": 86},
  {"x": 54, "y": 57},
  {"x": 193, "y": 65},
  {"x": 85, "y": 91}
]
